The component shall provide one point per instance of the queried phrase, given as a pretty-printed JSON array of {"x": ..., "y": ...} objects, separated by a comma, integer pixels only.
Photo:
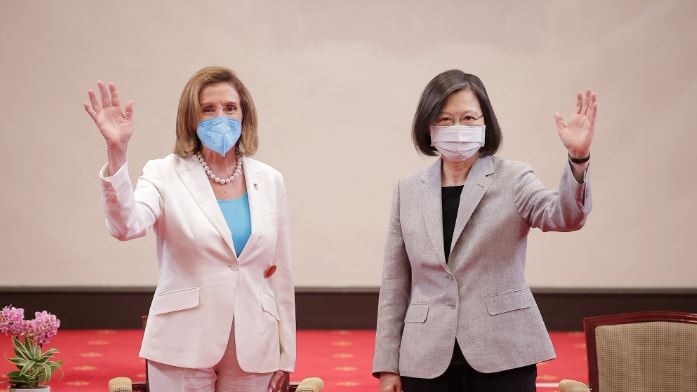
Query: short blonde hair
[{"x": 188, "y": 113}]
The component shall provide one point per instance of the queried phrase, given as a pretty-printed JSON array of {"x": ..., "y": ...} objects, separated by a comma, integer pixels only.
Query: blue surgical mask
[{"x": 219, "y": 134}]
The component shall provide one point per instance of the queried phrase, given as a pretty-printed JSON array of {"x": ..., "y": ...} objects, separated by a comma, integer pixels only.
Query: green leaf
[
  {"x": 26, "y": 369},
  {"x": 19, "y": 348},
  {"x": 18, "y": 361},
  {"x": 29, "y": 347},
  {"x": 35, "y": 351},
  {"x": 13, "y": 374},
  {"x": 57, "y": 366},
  {"x": 16, "y": 378},
  {"x": 19, "y": 381},
  {"x": 19, "y": 353},
  {"x": 47, "y": 372},
  {"x": 54, "y": 365}
]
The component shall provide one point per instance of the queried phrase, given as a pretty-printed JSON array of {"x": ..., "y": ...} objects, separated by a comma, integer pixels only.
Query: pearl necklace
[{"x": 222, "y": 181}]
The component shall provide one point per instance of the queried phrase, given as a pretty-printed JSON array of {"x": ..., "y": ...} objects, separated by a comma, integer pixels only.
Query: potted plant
[{"x": 34, "y": 366}]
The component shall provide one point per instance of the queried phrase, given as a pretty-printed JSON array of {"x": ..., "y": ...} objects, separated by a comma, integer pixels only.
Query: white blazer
[{"x": 202, "y": 284}]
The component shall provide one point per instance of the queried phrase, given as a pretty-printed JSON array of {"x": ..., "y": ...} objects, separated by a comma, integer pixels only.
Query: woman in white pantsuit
[{"x": 223, "y": 314}]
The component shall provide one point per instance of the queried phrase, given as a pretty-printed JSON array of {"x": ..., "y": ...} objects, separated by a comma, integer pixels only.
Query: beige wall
[{"x": 336, "y": 84}]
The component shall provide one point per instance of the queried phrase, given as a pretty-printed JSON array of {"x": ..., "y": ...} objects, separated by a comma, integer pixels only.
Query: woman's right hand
[
  {"x": 115, "y": 125},
  {"x": 390, "y": 382}
]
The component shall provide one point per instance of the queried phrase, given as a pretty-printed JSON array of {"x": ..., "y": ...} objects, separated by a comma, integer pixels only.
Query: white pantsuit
[{"x": 203, "y": 285}]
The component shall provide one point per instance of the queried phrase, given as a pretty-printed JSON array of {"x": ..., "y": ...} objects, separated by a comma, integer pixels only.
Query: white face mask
[{"x": 456, "y": 143}]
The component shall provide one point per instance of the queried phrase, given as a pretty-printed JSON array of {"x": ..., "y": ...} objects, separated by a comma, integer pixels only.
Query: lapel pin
[
  {"x": 256, "y": 187},
  {"x": 270, "y": 271}
]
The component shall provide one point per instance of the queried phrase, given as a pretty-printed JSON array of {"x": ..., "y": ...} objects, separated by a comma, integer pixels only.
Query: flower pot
[{"x": 35, "y": 389}]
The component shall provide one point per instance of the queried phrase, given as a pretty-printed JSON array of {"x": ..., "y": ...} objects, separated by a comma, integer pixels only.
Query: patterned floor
[{"x": 341, "y": 358}]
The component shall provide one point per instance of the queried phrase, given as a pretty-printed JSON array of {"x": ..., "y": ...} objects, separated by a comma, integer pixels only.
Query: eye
[
  {"x": 443, "y": 120},
  {"x": 207, "y": 109},
  {"x": 470, "y": 117},
  {"x": 231, "y": 107}
]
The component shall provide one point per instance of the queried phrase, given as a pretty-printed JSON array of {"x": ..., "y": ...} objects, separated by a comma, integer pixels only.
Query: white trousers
[{"x": 226, "y": 376}]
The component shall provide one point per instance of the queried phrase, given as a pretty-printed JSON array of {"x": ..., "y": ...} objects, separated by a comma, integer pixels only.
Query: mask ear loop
[{"x": 238, "y": 149}]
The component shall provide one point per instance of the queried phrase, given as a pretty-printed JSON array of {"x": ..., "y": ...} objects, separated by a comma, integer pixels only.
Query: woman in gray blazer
[{"x": 455, "y": 312}]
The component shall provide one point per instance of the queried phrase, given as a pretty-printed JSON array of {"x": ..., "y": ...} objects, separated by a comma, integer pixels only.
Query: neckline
[{"x": 233, "y": 200}]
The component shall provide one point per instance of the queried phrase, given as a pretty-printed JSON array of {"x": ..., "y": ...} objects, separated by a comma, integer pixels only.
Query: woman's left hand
[
  {"x": 277, "y": 380},
  {"x": 577, "y": 134}
]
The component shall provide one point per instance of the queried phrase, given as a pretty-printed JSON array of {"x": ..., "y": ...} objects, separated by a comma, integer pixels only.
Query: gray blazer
[{"x": 481, "y": 298}]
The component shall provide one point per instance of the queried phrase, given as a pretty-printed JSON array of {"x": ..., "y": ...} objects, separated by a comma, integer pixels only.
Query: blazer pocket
[
  {"x": 175, "y": 300},
  {"x": 508, "y": 302},
  {"x": 416, "y": 313},
  {"x": 268, "y": 303}
]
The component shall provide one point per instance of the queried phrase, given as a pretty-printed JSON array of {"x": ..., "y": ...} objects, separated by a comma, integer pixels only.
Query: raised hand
[
  {"x": 577, "y": 134},
  {"x": 116, "y": 125}
]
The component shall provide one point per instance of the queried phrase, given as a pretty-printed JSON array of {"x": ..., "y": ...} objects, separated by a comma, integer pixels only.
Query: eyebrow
[
  {"x": 224, "y": 103},
  {"x": 466, "y": 112}
]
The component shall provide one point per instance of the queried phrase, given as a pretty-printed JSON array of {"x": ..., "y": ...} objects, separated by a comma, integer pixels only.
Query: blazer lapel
[
  {"x": 258, "y": 205},
  {"x": 196, "y": 182},
  {"x": 433, "y": 208},
  {"x": 477, "y": 182}
]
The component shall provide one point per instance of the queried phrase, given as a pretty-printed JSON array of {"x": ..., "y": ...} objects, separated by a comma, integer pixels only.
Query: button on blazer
[
  {"x": 203, "y": 285},
  {"x": 480, "y": 297}
]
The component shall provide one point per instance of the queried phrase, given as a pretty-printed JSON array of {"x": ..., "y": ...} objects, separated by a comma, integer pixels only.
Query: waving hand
[
  {"x": 577, "y": 134},
  {"x": 115, "y": 124}
]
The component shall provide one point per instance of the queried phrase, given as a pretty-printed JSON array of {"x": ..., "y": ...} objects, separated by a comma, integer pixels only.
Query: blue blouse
[{"x": 238, "y": 218}]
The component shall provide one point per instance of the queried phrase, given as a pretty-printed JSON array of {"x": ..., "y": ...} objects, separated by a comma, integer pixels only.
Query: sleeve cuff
[
  {"x": 116, "y": 181},
  {"x": 104, "y": 177},
  {"x": 585, "y": 166}
]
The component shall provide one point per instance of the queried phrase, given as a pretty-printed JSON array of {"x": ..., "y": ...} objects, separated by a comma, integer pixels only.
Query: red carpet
[{"x": 341, "y": 358}]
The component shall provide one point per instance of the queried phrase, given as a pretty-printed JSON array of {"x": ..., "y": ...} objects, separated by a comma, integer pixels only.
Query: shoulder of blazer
[
  {"x": 260, "y": 168},
  {"x": 175, "y": 162},
  {"x": 423, "y": 175},
  {"x": 155, "y": 169},
  {"x": 507, "y": 167}
]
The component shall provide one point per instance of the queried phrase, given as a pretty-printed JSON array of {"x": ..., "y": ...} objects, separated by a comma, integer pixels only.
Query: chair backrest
[{"x": 643, "y": 351}]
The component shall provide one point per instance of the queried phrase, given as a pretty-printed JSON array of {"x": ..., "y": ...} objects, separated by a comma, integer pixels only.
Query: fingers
[
  {"x": 276, "y": 381},
  {"x": 90, "y": 111},
  {"x": 579, "y": 102},
  {"x": 559, "y": 121},
  {"x": 396, "y": 387},
  {"x": 128, "y": 111},
  {"x": 587, "y": 102},
  {"x": 593, "y": 107},
  {"x": 590, "y": 109},
  {"x": 93, "y": 100},
  {"x": 106, "y": 97},
  {"x": 110, "y": 98},
  {"x": 275, "y": 387},
  {"x": 114, "y": 95}
]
